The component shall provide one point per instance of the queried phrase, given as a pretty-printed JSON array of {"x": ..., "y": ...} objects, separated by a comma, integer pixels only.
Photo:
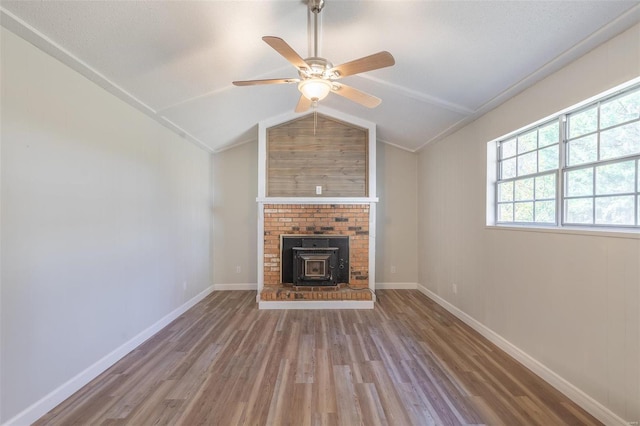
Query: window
[
  {"x": 581, "y": 167},
  {"x": 528, "y": 174}
]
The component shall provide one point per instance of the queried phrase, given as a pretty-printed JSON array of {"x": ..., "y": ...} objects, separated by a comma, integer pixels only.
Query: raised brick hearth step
[{"x": 282, "y": 293}]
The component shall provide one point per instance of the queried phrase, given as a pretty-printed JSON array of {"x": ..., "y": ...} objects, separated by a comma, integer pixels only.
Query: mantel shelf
[{"x": 317, "y": 200}]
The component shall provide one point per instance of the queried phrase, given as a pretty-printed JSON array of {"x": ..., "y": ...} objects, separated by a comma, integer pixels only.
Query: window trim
[{"x": 560, "y": 172}]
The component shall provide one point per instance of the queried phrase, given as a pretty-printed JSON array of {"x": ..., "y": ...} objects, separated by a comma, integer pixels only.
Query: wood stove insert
[
  {"x": 315, "y": 260},
  {"x": 315, "y": 266}
]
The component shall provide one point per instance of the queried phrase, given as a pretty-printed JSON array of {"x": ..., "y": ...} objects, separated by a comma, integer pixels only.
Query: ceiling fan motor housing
[{"x": 318, "y": 68}]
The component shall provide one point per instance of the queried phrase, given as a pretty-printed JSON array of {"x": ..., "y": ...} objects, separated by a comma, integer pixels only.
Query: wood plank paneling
[
  {"x": 317, "y": 151},
  {"x": 407, "y": 362}
]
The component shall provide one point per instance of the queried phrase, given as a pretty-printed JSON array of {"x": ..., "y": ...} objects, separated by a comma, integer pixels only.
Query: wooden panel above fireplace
[{"x": 308, "y": 152}]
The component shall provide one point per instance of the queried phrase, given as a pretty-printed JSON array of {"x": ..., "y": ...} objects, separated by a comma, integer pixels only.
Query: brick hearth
[{"x": 341, "y": 292}]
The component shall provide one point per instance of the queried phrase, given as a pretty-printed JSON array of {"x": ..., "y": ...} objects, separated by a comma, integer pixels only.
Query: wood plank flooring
[{"x": 407, "y": 362}]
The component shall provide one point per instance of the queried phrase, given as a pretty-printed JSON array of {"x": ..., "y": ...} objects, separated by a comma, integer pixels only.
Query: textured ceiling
[{"x": 455, "y": 60}]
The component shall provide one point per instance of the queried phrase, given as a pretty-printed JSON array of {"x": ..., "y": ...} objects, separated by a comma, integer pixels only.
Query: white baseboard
[
  {"x": 50, "y": 401},
  {"x": 237, "y": 286},
  {"x": 396, "y": 286},
  {"x": 589, "y": 404},
  {"x": 316, "y": 304}
]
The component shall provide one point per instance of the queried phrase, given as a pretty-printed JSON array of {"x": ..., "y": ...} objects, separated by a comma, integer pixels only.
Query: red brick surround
[{"x": 317, "y": 219}]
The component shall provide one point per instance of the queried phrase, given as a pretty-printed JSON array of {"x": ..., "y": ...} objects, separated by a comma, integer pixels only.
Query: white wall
[
  {"x": 105, "y": 215},
  {"x": 571, "y": 301},
  {"x": 235, "y": 215}
]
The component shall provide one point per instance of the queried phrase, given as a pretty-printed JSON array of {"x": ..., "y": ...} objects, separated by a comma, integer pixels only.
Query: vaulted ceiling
[{"x": 175, "y": 60}]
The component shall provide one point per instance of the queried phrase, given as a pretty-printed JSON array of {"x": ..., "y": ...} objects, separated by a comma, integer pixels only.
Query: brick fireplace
[
  {"x": 317, "y": 219},
  {"x": 312, "y": 221},
  {"x": 316, "y": 183}
]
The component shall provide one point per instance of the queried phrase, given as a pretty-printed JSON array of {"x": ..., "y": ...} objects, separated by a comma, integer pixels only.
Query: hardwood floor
[{"x": 408, "y": 362}]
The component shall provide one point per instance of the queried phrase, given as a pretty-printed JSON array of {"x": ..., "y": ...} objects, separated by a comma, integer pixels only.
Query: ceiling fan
[{"x": 318, "y": 76}]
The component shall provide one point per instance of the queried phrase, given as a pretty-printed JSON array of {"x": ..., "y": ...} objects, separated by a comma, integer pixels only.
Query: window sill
[{"x": 633, "y": 234}]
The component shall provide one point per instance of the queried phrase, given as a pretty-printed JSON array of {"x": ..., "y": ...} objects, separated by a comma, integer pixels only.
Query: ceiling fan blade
[
  {"x": 285, "y": 50},
  {"x": 269, "y": 81},
  {"x": 303, "y": 104},
  {"x": 368, "y": 63},
  {"x": 356, "y": 95}
]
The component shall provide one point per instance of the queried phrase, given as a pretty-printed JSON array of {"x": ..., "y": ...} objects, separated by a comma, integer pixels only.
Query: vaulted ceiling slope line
[
  {"x": 33, "y": 36},
  {"x": 607, "y": 32},
  {"x": 455, "y": 61}
]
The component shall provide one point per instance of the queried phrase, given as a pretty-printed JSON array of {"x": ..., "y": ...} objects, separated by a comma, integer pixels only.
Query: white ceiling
[{"x": 455, "y": 60}]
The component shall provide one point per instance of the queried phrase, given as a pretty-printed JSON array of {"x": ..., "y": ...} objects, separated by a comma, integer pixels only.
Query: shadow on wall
[
  {"x": 381, "y": 211},
  {"x": 235, "y": 215}
]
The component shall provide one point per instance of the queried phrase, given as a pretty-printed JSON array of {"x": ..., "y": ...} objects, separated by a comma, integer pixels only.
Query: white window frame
[
  {"x": 535, "y": 175},
  {"x": 494, "y": 169}
]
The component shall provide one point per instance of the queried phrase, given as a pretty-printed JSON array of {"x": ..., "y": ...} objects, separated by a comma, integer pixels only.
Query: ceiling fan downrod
[{"x": 315, "y": 7}]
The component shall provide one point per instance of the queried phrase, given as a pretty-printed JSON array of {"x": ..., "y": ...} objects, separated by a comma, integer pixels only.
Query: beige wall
[
  {"x": 396, "y": 215},
  {"x": 571, "y": 301},
  {"x": 105, "y": 218},
  {"x": 235, "y": 215},
  {"x": 235, "y": 208}
]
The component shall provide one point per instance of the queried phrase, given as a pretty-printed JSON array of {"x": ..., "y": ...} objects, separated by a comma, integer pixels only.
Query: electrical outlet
[
  {"x": 238, "y": 269},
  {"x": 393, "y": 269},
  {"x": 319, "y": 190},
  {"x": 455, "y": 288},
  {"x": 184, "y": 285}
]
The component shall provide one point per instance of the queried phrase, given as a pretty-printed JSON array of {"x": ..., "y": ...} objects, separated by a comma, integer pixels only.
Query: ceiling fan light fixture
[
  {"x": 317, "y": 74},
  {"x": 314, "y": 89}
]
